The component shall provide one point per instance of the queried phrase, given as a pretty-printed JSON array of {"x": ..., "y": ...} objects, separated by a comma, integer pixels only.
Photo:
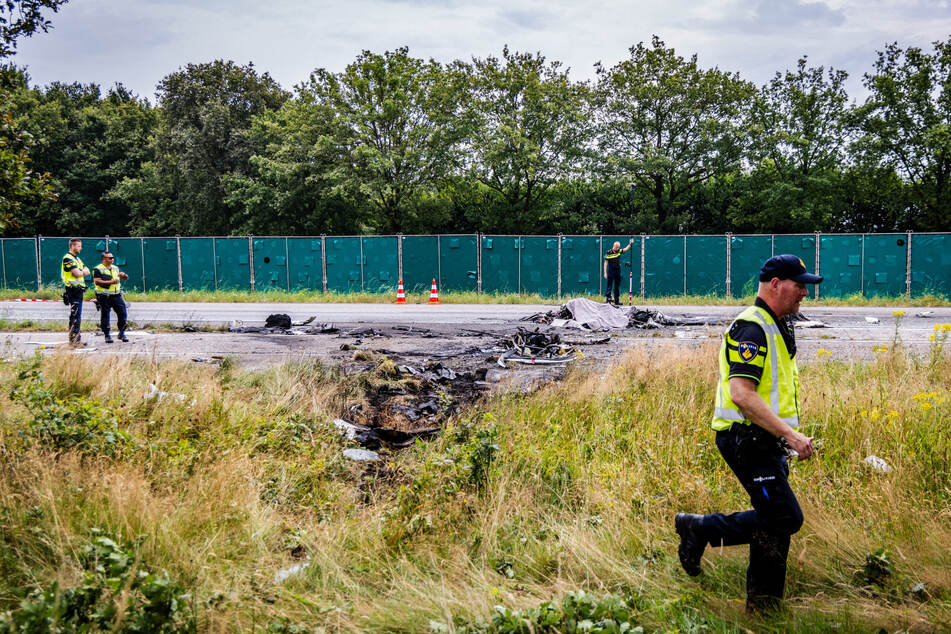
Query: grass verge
[
  {"x": 524, "y": 500},
  {"x": 469, "y": 297}
]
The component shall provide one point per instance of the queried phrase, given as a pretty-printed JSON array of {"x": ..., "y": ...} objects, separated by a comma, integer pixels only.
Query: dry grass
[{"x": 581, "y": 494}]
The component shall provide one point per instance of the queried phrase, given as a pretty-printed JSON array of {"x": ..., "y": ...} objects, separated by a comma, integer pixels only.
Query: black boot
[
  {"x": 692, "y": 543},
  {"x": 122, "y": 336},
  {"x": 108, "y": 338}
]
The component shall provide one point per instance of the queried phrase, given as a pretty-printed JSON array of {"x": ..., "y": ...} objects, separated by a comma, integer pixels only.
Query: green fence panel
[
  {"x": 232, "y": 263},
  {"x": 420, "y": 262},
  {"x": 19, "y": 263},
  {"x": 706, "y": 265},
  {"x": 884, "y": 264},
  {"x": 500, "y": 264},
  {"x": 458, "y": 262},
  {"x": 305, "y": 264},
  {"x": 198, "y": 264},
  {"x": 802, "y": 245},
  {"x": 539, "y": 265},
  {"x": 128, "y": 254},
  {"x": 581, "y": 266},
  {"x": 52, "y": 251},
  {"x": 931, "y": 264},
  {"x": 664, "y": 266},
  {"x": 630, "y": 264},
  {"x": 343, "y": 265},
  {"x": 161, "y": 263},
  {"x": 270, "y": 264},
  {"x": 747, "y": 254},
  {"x": 840, "y": 264},
  {"x": 380, "y": 264}
]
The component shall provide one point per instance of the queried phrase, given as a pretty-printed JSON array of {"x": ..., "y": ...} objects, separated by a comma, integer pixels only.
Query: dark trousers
[
  {"x": 74, "y": 295},
  {"x": 614, "y": 281},
  {"x": 759, "y": 462},
  {"x": 116, "y": 303}
]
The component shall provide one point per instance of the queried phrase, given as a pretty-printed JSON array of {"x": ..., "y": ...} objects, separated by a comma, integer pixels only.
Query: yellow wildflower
[{"x": 899, "y": 313}]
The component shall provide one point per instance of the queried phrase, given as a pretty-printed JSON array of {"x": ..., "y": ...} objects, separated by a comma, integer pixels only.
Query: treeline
[{"x": 506, "y": 144}]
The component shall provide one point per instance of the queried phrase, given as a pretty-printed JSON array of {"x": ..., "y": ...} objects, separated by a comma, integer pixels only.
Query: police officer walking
[
  {"x": 612, "y": 271},
  {"x": 756, "y": 418},
  {"x": 73, "y": 273},
  {"x": 107, "y": 278}
]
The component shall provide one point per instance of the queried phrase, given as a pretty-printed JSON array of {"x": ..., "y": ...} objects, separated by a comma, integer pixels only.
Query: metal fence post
[
  {"x": 107, "y": 243},
  {"x": 178, "y": 256},
  {"x": 599, "y": 265},
  {"x": 3, "y": 260},
  {"x": 729, "y": 263},
  {"x": 685, "y": 266},
  {"x": 39, "y": 262},
  {"x": 142, "y": 254},
  {"x": 323, "y": 260},
  {"x": 559, "y": 265},
  {"x": 362, "y": 283},
  {"x": 862, "y": 269},
  {"x": 479, "y": 262},
  {"x": 518, "y": 248},
  {"x": 818, "y": 240},
  {"x": 214, "y": 260},
  {"x": 399, "y": 256},
  {"x": 287, "y": 264},
  {"x": 643, "y": 260},
  {"x": 439, "y": 259},
  {"x": 908, "y": 265},
  {"x": 251, "y": 259}
]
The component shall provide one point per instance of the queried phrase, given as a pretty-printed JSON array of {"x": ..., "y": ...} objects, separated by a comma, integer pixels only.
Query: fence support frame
[
  {"x": 908, "y": 265},
  {"x": 178, "y": 257},
  {"x": 39, "y": 262},
  {"x": 818, "y": 263},
  {"x": 729, "y": 263},
  {"x": 559, "y": 266},
  {"x": 323, "y": 260},
  {"x": 643, "y": 259}
]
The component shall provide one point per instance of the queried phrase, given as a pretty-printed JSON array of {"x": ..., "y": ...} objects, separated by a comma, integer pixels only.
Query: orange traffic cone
[
  {"x": 433, "y": 294},
  {"x": 400, "y": 294}
]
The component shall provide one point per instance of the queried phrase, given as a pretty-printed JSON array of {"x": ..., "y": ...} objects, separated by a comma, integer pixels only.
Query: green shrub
[
  {"x": 115, "y": 594},
  {"x": 76, "y": 422}
]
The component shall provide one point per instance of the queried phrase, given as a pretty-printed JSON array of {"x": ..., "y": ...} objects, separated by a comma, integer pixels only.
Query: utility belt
[
  {"x": 71, "y": 292},
  {"x": 752, "y": 437},
  {"x": 103, "y": 298}
]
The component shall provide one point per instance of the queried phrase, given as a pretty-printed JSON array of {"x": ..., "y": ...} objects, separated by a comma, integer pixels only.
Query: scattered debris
[
  {"x": 588, "y": 315},
  {"x": 278, "y": 320},
  {"x": 365, "y": 332},
  {"x": 534, "y": 348},
  {"x": 435, "y": 372},
  {"x": 284, "y": 574},
  {"x": 159, "y": 395},
  {"x": 361, "y": 455},
  {"x": 877, "y": 464},
  {"x": 872, "y": 320},
  {"x": 924, "y": 313}
]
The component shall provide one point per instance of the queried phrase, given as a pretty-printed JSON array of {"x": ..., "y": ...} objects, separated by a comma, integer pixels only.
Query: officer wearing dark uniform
[
  {"x": 73, "y": 273},
  {"x": 755, "y": 418},
  {"x": 107, "y": 278},
  {"x": 612, "y": 271}
]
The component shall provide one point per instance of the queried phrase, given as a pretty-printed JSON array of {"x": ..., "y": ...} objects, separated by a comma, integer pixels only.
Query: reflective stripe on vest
[
  {"x": 611, "y": 256},
  {"x": 779, "y": 387},
  {"x": 68, "y": 278},
  {"x": 113, "y": 272}
]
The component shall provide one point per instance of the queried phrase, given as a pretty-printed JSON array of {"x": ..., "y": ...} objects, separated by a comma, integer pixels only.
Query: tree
[
  {"x": 23, "y": 18},
  {"x": 87, "y": 143},
  {"x": 290, "y": 188},
  {"x": 395, "y": 127},
  {"x": 204, "y": 113},
  {"x": 799, "y": 131},
  {"x": 667, "y": 125},
  {"x": 528, "y": 130},
  {"x": 18, "y": 182},
  {"x": 906, "y": 124}
]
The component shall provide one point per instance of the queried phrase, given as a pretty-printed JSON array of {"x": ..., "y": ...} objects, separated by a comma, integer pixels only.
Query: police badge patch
[{"x": 747, "y": 350}]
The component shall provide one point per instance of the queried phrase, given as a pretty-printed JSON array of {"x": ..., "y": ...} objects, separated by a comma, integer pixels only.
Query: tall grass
[{"x": 523, "y": 499}]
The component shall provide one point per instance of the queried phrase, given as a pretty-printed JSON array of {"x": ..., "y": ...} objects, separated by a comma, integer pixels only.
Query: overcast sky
[{"x": 137, "y": 42}]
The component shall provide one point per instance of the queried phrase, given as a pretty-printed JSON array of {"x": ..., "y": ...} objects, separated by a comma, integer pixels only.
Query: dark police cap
[{"x": 787, "y": 267}]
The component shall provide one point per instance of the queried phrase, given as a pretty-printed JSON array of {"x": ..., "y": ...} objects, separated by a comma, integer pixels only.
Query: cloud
[{"x": 769, "y": 16}]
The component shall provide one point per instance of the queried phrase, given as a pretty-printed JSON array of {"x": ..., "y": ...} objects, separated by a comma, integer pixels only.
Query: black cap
[{"x": 787, "y": 267}]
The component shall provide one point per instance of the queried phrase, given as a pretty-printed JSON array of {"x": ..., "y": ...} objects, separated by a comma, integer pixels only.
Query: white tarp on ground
[{"x": 595, "y": 315}]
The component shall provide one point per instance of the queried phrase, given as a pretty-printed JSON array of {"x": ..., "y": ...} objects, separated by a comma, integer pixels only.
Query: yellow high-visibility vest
[
  {"x": 779, "y": 385},
  {"x": 103, "y": 271},
  {"x": 67, "y": 270}
]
